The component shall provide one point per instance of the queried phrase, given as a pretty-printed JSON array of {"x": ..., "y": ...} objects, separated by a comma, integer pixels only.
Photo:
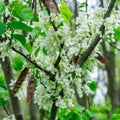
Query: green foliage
[
  {"x": 82, "y": 4},
  {"x": 117, "y": 33},
  {"x": 36, "y": 32},
  {"x": 37, "y": 51},
  {"x": 2, "y": 28},
  {"x": 4, "y": 96},
  {"x": 80, "y": 113},
  {"x": 19, "y": 26},
  {"x": 2, "y": 6},
  {"x": 92, "y": 85},
  {"x": 23, "y": 12},
  {"x": 45, "y": 51},
  {"x": 17, "y": 63},
  {"x": 22, "y": 40},
  {"x": 2, "y": 82},
  {"x": 66, "y": 13}
]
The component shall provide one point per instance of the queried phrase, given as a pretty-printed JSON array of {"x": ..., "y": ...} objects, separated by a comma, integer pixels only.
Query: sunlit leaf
[
  {"x": 66, "y": 13},
  {"x": 92, "y": 85},
  {"x": 19, "y": 25}
]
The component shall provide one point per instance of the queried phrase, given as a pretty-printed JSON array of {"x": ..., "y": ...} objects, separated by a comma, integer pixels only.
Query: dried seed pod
[
  {"x": 75, "y": 59},
  {"x": 101, "y": 59},
  {"x": 51, "y": 4},
  {"x": 19, "y": 81},
  {"x": 30, "y": 90}
]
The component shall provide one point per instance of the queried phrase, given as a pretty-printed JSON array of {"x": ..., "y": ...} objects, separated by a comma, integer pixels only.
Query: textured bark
[
  {"x": 6, "y": 66},
  {"x": 112, "y": 86}
]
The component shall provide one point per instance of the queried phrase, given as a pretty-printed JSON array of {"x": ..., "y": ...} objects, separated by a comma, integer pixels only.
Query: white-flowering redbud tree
[{"x": 39, "y": 37}]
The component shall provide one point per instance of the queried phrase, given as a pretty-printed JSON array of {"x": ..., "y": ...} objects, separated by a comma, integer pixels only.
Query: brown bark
[
  {"x": 6, "y": 66},
  {"x": 112, "y": 86}
]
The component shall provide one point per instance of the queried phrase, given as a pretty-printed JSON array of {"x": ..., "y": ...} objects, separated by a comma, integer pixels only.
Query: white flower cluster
[
  {"x": 68, "y": 76},
  {"x": 9, "y": 118},
  {"x": 4, "y": 49}
]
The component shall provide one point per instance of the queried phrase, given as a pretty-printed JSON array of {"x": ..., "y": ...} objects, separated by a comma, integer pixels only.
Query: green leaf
[
  {"x": 117, "y": 33},
  {"x": 37, "y": 51},
  {"x": 91, "y": 112},
  {"x": 2, "y": 6},
  {"x": 36, "y": 19},
  {"x": 4, "y": 96},
  {"x": 22, "y": 40},
  {"x": 92, "y": 86},
  {"x": 79, "y": 107},
  {"x": 3, "y": 28},
  {"x": 61, "y": 24},
  {"x": 116, "y": 117},
  {"x": 82, "y": 4},
  {"x": 23, "y": 12},
  {"x": 84, "y": 117},
  {"x": 73, "y": 116},
  {"x": 66, "y": 13},
  {"x": 19, "y": 25},
  {"x": 104, "y": 108},
  {"x": 45, "y": 51},
  {"x": 28, "y": 47},
  {"x": 36, "y": 32},
  {"x": 17, "y": 63},
  {"x": 62, "y": 112},
  {"x": 2, "y": 82}
]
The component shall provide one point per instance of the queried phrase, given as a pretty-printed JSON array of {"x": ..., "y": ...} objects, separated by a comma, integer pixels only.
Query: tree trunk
[
  {"x": 112, "y": 87},
  {"x": 6, "y": 66},
  {"x": 33, "y": 111},
  {"x": 53, "y": 112}
]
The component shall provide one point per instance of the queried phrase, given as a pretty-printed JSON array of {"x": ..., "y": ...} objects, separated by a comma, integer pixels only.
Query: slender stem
[
  {"x": 6, "y": 110},
  {"x": 34, "y": 63}
]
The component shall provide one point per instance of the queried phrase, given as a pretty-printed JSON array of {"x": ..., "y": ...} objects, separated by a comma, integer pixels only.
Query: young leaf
[
  {"x": 19, "y": 81},
  {"x": 22, "y": 40},
  {"x": 17, "y": 63},
  {"x": 82, "y": 4},
  {"x": 44, "y": 51},
  {"x": 19, "y": 25},
  {"x": 92, "y": 85},
  {"x": 66, "y": 13},
  {"x": 3, "y": 28},
  {"x": 37, "y": 51},
  {"x": 23, "y": 12},
  {"x": 102, "y": 59},
  {"x": 79, "y": 107},
  {"x": 30, "y": 90},
  {"x": 51, "y": 4}
]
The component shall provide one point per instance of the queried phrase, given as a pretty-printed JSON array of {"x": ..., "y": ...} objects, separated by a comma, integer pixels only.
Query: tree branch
[
  {"x": 87, "y": 53},
  {"x": 35, "y": 64}
]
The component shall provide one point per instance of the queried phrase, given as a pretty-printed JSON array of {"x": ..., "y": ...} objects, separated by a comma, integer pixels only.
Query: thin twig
[
  {"x": 35, "y": 8},
  {"x": 114, "y": 46},
  {"x": 34, "y": 63},
  {"x": 6, "y": 110}
]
